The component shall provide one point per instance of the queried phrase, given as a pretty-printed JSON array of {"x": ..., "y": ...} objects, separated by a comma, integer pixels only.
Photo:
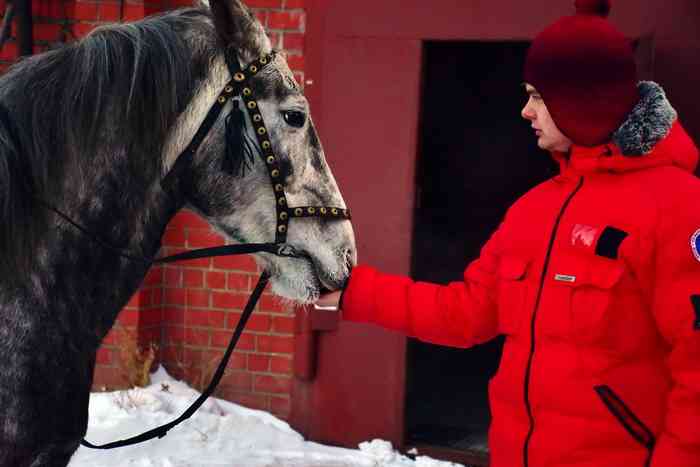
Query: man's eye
[{"x": 294, "y": 118}]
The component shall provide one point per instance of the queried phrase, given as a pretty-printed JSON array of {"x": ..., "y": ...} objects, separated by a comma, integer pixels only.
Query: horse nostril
[{"x": 349, "y": 258}]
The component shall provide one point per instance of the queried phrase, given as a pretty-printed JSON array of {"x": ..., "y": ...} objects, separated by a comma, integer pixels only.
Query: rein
[{"x": 238, "y": 89}]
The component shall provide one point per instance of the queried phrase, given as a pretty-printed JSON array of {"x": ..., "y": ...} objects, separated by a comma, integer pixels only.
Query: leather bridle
[{"x": 237, "y": 90}]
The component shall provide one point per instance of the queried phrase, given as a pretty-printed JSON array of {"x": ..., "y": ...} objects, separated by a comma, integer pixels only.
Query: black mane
[{"x": 74, "y": 111}]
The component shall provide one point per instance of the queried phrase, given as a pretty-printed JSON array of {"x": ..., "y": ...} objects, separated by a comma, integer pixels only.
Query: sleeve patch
[
  {"x": 695, "y": 244},
  {"x": 695, "y": 300}
]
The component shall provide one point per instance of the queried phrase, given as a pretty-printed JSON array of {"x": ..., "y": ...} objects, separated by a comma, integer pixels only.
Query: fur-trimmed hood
[{"x": 650, "y": 136}]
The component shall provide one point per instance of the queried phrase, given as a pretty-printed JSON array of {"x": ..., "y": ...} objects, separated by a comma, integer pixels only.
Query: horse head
[{"x": 241, "y": 204}]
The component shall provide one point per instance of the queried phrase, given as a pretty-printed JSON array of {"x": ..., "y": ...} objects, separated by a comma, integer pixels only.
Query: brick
[
  {"x": 290, "y": 20},
  {"x": 193, "y": 278},
  {"x": 251, "y": 401},
  {"x": 198, "y": 337},
  {"x": 203, "y": 238},
  {"x": 129, "y": 317},
  {"x": 215, "y": 280},
  {"x": 257, "y": 322},
  {"x": 293, "y": 41},
  {"x": 151, "y": 317},
  {"x": 280, "y": 407},
  {"x": 262, "y": 16},
  {"x": 174, "y": 334},
  {"x": 238, "y": 281},
  {"x": 283, "y": 324},
  {"x": 133, "y": 12},
  {"x": 238, "y": 361},
  {"x": 229, "y": 300},
  {"x": 9, "y": 51},
  {"x": 264, "y": 3},
  {"x": 107, "y": 379},
  {"x": 296, "y": 62},
  {"x": 198, "y": 298},
  {"x": 196, "y": 318},
  {"x": 275, "y": 344},
  {"x": 110, "y": 338},
  {"x": 281, "y": 365},
  {"x": 46, "y": 31},
  {"x": 258, "y": 362},
  {"x": 82, "y": 29},
  {"x": 173, "y": 315},
  {"x": 238, "y": 380},
  {"x": 222, "y": 338},
  {"x": 84, "y": 11},
  {"x": 157, "y": 295},
  {"x": 172, "y": 276},
  {"x": 173, "y": 296},
  {"x": 174, "y": 237},
  {"x": 154, "y": 276},
  {"x": 236, "y": 263},
  {"x": 109, "y": 12},
  {"x": 105, "y": 356},
  {"x": 187, "y": 218},
  {"x": 272, "y": 384},
  {"x": 273, "y": 304}
]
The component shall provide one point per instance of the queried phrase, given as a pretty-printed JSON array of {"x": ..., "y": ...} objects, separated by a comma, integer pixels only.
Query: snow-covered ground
[{"x": 220, "y": 434}]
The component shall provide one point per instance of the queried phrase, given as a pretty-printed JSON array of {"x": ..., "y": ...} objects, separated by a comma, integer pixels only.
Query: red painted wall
[{"x": 189, "y": 310}]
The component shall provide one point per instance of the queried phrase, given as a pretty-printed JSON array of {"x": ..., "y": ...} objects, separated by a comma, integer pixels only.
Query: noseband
[{"x": 237, "y": 90}]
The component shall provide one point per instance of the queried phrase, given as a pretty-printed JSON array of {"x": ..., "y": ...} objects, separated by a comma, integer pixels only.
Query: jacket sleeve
[
  {"x": 460, "y": 314},
  {"x": 676, "y": 307}
]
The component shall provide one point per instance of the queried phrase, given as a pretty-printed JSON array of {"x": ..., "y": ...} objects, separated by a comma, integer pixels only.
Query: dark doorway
[{"x": 477, "y": 156}]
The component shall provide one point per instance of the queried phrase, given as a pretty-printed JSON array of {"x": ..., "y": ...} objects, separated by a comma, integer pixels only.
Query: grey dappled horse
[{"x": 90, "y": 130}]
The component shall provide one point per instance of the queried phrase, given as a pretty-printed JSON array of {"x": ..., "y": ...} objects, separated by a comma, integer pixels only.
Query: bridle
[{"x": 237, "y": 89}]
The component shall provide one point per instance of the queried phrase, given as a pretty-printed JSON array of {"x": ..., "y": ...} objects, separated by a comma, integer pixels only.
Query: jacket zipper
[{"x": 528, "y": 370}]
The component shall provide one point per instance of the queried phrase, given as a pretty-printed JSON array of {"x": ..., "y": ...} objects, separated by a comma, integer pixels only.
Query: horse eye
[{"x": 294, "y": 118}]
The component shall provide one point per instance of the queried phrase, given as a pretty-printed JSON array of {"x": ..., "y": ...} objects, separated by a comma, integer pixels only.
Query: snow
[{"x": 219, "y": 434}]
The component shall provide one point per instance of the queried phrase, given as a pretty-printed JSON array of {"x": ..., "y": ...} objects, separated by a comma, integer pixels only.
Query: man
[{"x": 593, "y": 276}]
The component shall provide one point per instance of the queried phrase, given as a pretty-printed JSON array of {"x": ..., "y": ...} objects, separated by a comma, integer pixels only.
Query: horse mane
[{"x": 109, "y": 98}]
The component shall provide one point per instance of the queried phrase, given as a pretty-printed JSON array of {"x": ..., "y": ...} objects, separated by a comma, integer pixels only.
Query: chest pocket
[
  {"x": 591, "y": 282},
  {"x": 512, "y": 293}
]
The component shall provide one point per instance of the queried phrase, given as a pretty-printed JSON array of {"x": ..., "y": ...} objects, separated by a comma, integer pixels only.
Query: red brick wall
[{"x": 189, "y": 310}]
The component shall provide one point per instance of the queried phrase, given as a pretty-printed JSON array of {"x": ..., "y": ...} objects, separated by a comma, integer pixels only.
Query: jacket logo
[
  {"x": 564, "y": 278},
  {"x": 583, "y": 235},
  {"x": 695, "y": 244}
]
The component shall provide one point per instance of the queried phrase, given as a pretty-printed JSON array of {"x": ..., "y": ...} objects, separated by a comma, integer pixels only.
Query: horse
[{"x": 88, "y": 132}]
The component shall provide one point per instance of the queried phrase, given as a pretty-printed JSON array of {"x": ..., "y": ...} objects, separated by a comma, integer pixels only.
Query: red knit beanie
[{"x": 584, "y": 70}]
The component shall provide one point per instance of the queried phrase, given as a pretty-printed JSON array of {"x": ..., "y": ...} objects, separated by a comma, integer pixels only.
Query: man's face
[{"x": 549, "y": 137}]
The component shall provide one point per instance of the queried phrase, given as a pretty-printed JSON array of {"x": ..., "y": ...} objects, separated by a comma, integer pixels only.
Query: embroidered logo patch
[
  {"x": 583, "y": 235},
  {"x": 695, "y": 244}
]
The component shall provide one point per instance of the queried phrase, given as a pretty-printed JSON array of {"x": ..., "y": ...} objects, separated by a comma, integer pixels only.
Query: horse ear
[{"x": 238, "y": 27}]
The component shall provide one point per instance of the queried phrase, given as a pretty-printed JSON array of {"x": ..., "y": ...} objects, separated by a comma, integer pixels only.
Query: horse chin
[{"x": 293, "y": 279}]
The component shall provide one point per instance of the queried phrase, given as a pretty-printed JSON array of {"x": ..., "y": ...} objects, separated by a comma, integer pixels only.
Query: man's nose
[{"x": 527, "y": 112}]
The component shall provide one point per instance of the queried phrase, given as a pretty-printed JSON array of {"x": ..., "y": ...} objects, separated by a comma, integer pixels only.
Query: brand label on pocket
[{"x": 564, "y": 278}]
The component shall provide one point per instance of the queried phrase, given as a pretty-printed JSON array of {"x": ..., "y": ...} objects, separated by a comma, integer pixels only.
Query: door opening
[{"x": 476, "y": 157}]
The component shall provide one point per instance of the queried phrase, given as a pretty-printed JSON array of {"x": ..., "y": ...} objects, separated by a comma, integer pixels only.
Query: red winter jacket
[{"x": 594, "y": 277}]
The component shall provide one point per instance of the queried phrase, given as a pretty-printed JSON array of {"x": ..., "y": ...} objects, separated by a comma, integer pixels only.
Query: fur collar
[{"x": 649, "y": 122}]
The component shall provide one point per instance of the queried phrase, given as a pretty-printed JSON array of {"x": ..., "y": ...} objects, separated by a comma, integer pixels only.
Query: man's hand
[{"x": 329, "y": 301}]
